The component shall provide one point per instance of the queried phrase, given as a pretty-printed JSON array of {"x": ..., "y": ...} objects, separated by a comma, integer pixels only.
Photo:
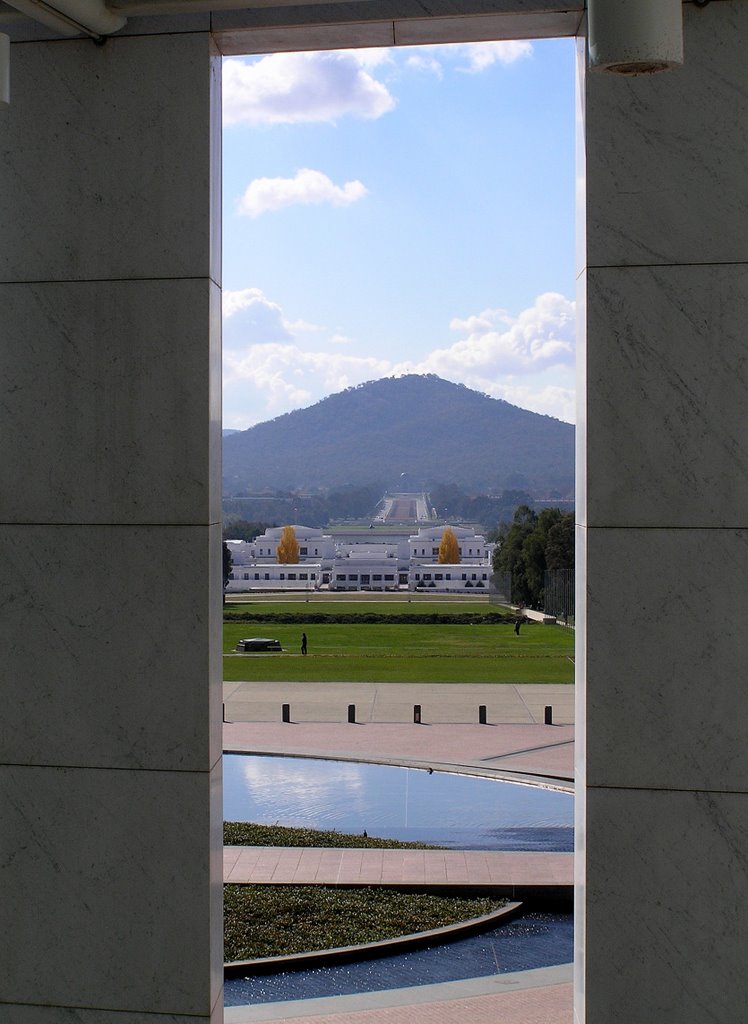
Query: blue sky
[{"x": 399, "y": 211}]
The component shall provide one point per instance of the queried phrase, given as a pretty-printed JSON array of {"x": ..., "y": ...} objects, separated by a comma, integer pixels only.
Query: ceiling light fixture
[
  {"x": 73, "y": 17},
  {"x": 635, "y": 37}
]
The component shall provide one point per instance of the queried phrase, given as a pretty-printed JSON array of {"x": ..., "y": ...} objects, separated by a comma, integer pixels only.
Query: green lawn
[{"x": 392, "y": 652}]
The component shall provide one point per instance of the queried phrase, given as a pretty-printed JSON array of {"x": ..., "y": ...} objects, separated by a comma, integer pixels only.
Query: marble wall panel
[
  {"x": 117, "y": 160},
  {"x": 19, "y": 1014},
  {"x": 667, "y": 393},
  {"x": 112, "y": 401},
  {"x": 111, "y": 646},
  {"x": 655, "y": 195},
  {"x": 666, "y": 653},
  {"x": 109, "y": 883},
  {"x": 666, "y": 922}
]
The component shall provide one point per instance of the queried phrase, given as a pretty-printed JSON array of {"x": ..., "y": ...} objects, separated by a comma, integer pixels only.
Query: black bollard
[
  {"x": 417, "y": 714},
  {"x": 481, "y": 714},
  {"x": 351, "y": 712},
  {"x": 285, "y": 712},
  {"x": 548, "y": 714},
  {"x": 224, "y": 713}
]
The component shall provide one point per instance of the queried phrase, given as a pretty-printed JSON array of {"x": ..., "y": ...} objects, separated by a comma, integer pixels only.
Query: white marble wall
[
  {"x": 664, "y": 532},
  {"x": 110, "y": 417}
]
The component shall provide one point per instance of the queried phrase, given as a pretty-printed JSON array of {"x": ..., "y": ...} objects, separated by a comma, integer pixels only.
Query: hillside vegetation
[{"x": 422, "y": 426}]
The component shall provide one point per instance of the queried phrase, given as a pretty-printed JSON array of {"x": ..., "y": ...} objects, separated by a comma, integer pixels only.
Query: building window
[
  {"x": 246, "y": 575},
  {"x": 418, "y": 575},
  {"x": 464, "y": 576},
  {"x": 472, "y": 576},
  {"x": 449, "y": 575},
  {"x": 353, "y": 576},
  {"x": 438, "y": 576},
  {"x": 377, "y": 576},
  {"x": 267, "y": 575},
  {"x": 302, "y": 551},
  {"x": 257, "y": 575},
  {"x": 291, "y": 576},
  {"x": 427, "y": 575},
  {"x": 389, "y": 579},
  {"x": 340, "y": 578},
  {"x": 282, "y": 575},
  {"x": 231, "y": 576},
  {"x": 303, "y": 576},
  {"x": 314, "y": 575},
  {"x": 435, "y": 551}
]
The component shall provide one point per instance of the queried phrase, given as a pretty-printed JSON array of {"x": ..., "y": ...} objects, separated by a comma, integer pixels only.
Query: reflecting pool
[
  {"x": 530, "y": 941},
  {"x": 447, "y": 809}
]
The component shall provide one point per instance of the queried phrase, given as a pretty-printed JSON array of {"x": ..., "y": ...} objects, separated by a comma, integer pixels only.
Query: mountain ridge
[{"x": 421, "y": 426}]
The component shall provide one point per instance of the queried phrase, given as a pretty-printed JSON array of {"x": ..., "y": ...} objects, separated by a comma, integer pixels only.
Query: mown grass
[
  {"x": 268, "y": 920},
  {"x": 399, "y": 652},
  {"x": 247, "y": 833}
]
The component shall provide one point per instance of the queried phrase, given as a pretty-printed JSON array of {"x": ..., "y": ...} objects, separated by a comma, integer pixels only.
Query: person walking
[{"x": 303, "y": 644}]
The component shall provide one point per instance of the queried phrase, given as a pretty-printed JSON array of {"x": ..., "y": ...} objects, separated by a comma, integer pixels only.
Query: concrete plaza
[{"x": 515, "y": 743}]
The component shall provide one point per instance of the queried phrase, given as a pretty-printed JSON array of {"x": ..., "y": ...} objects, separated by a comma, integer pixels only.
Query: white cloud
[
  {"x": 275, "y": 378},
  {"x": 290, "y": 88},
  {"x": 253, "y": 317},
  {"x": 423, "y": 62},
  {"x": 467, "y": 57},
  {"x": 496, "y": 344},
  {"x": 307, "y": 187},
  {"x": 269, "y": 369},
  {"x": 480, "y": 56}
]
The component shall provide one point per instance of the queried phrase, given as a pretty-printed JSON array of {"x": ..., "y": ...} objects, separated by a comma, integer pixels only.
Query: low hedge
[
  {"x": 246, "y": 833},
  {"x": 369, "y": 618}
]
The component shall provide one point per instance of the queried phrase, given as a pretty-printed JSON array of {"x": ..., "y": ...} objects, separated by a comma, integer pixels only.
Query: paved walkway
[
  {"x": 511, "y": 874},
  {"x": 543, "y": 1004},
  {"x": 515, "y": 743}
]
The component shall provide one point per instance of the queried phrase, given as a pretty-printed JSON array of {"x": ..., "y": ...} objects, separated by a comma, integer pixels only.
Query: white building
[
  {"x": 368, "y": 567},
  {"x": 272, "y": 576},
  {"x": 349, "y": 564},
  {"x": 424, "y": 546},
  {"x": 453, "y": 579},
  {"x": 313, "y": 545}
]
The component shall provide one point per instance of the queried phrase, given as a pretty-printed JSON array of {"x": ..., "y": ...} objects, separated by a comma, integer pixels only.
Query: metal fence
[
  {"x": 500, "y": 588},
  {"x": 559, "y": 594}
]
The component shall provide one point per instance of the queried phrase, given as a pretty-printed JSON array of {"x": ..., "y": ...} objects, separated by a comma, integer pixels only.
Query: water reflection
[
  {"x": 530, "y": 941},
  {"x": 397, "y": 803}
]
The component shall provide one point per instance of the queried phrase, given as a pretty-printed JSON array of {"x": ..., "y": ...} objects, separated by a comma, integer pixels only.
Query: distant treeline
[{"x": 247, "y": 518}]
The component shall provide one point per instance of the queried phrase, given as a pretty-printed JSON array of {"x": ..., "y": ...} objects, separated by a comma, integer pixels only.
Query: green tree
[
  {"x": 449, "y": 548},
  {"x": 509, "y": 555},
  {"x": 533, "y": 543},
  {"x": 559, "y": 549},
  {"x": 228, "y": 564},
  {"x": 288, "y": 547}
]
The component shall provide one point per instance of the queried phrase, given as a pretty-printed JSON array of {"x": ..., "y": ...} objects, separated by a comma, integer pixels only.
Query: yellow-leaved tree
[
  {"x": 288, "y": 547},
  {"x": 449, "y": 549}
]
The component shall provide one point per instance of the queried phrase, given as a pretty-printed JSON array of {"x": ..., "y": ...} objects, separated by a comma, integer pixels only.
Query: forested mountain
[{"x": 421, "y": 426}]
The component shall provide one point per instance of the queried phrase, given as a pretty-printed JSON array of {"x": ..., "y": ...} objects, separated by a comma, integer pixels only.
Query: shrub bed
[{"x": 267, "y": 920}]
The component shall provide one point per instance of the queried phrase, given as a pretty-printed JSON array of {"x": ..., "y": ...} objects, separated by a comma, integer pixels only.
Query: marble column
[
  {"x": 664, "y": 537},
  {"x": 110, "y": 588}
]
